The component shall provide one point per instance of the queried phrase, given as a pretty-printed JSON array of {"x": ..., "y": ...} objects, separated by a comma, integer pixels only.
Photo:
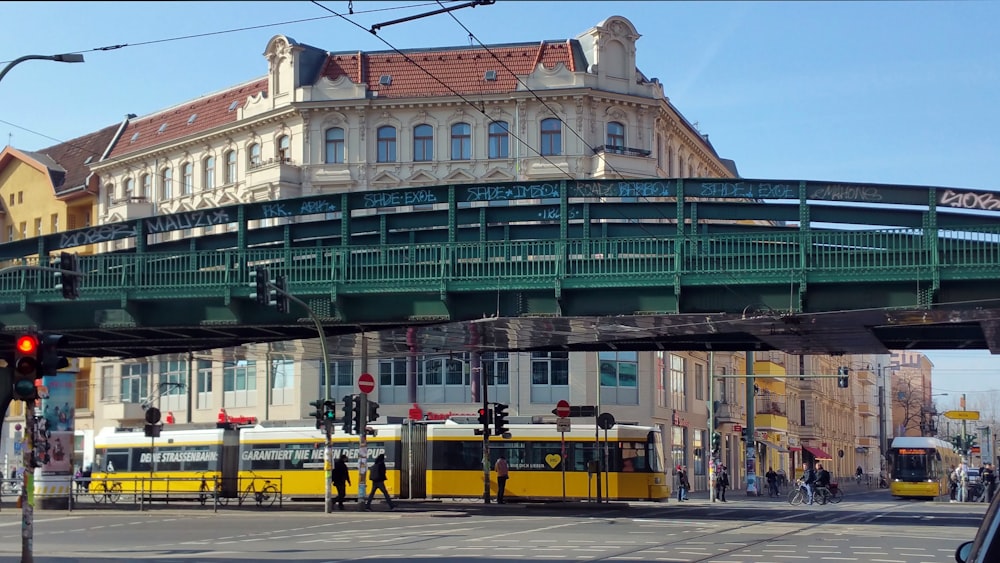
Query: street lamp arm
[{"x": 63, "y": 58}]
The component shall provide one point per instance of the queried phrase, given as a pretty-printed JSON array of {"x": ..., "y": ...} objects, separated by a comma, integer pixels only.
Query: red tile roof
[
  {"x": 171, "y": 124},
  {"x": 68, "y": 161},
  {"x": 439, "y": 72}
]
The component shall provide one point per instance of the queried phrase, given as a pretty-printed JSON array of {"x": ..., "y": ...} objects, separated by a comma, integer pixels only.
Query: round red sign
[
  {"x": 562, "y": 408},
  {"x": 366, "y": 383}
]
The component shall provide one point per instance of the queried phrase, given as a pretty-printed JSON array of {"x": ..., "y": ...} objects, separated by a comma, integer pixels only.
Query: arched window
[
  {"x": 109, "y": 199},
  {"x": 551, "y": 137},
  {"x": 461, "y": 141},
  {"x": 146, "y": 185},
  {"x": 616, "y": 137},
  {"x": 187, "y": 178},
  {"x": 499, "y": 139},
  {"x": 284, "y": 149},
  {"x": 230, "y": 167},
  {"x": 129, "y": 188},
  {"x": 386, "y": 138},
  {"x": 209, "y": 173},
  {"x": 254, "y": 155},
  {"x": 335, "y": 145},
  {"x": 167, "y": 184},
  {"x": 423, "y": 143}
]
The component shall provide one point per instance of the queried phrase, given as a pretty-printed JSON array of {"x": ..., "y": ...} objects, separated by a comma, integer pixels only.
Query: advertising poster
[{"x": 55, "y": 424}]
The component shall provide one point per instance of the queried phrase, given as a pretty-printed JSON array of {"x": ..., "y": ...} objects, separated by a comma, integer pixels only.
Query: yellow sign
[{"x": 962, "y": 415}]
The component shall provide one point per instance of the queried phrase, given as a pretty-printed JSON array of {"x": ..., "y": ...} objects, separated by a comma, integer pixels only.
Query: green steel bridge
[{"x": 692, "y": 264}]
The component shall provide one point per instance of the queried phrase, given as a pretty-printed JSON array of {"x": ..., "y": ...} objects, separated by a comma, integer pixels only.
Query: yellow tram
[{"x": 919, "y": 466}]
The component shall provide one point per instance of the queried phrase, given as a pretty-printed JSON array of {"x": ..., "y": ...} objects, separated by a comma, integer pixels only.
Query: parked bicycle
[
  {"x": 264, "y": 497},
  {"x": 103, "y": 490},
  {"x": 211, "y": 492}
]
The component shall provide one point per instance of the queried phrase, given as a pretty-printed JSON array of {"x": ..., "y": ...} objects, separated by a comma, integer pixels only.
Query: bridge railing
[{"x": 614, "y": 262}]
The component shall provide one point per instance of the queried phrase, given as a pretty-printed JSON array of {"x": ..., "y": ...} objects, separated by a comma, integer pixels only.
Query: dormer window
[
  {"x": 134, "y": 137},
  {"x": 89, "y": 159},
  {"x": 192, "y": 118},
  {"x": 234, "y": 105},
  {"x": 162, "y": 128},
  {"x": 385, "y": 80},
  {"x": 490, "y": 75}
]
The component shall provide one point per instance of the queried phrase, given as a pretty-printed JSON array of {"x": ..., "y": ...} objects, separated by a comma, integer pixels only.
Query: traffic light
[
  {"x": 281, "y": 294},
  {"x": 356, "y": 415},
  {"x": 842, "y": 379},
  {"x": 348, "y": 413},
  {"x": 68, "y": 282},
  {"x": 372, "y": 411},
  {"x": 49, "y": 360},
  {"x": 743, "y": 434},
  {"x": 260, "y": 281},
  {"x": 26, "y": 367},
  {"x": 318, "y": 412},
  {"x": 716, "y": 442},
  {"x": 500, "y": 419},
  {"x": 484, "y": 416}
]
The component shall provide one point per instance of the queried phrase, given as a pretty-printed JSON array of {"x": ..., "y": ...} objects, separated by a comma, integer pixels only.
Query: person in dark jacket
[
  {"x": 340, "y": 477},
  {"x": 722, "y": 483},
  {"x": 377, "y": 474}
]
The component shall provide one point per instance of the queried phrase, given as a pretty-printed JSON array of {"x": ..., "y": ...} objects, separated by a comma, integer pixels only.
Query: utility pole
[{"x": 753, "y": 488}]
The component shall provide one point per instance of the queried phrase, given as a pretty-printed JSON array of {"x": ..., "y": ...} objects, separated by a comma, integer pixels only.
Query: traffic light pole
[
  {"x": 484, "y": 386},
  {"x": 28, "y": 485}
]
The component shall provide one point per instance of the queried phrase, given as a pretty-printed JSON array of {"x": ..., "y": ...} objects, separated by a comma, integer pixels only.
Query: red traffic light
[{"x": 27, "y": 344}]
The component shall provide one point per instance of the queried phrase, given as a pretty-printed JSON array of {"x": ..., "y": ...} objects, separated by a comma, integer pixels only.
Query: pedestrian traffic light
[
  {"x": 318, "y": 407},
  {"x": 743, "y": 434},
  {"x": 716, "y": 442},
  {"x": 500, "y": 419},
  {"x": 66, "y": 277},
  {"x": 26, "y": 367},
  {"x": 281, "y": 294},
  {"x": 842, "y": 379},
  {"x": 260, "y": 281},
  {"x": 356, "y": 415},
  {"x": 348, "y": 413},
  {"x": 484, "y": 416},
  {"x": 372, "y": 411}
]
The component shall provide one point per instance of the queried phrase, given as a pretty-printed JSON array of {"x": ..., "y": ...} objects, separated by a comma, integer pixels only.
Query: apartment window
[
  {"x": 240, "y": 375},
  {"x": 167, "y": 184},
  {"x": 678, "y": 389},
  {"x": 129, "y": 189},
  {"x": 499, "y": 140},
  {"x": 20, "y": 197},
  {"x": 616, "y": 137},
  {"x": 24, "y": 229},
  {"x": 392, "y": 373},
  {"x": 38, "y": 226},
  {"x": 550, "y": 368},
  {"x": 230, "y": 167},
  {"x": 386, "y": 139},
  {"x": 619, "y": 369},
  {"x": 678, "y": 446},
  {"x": 284, "y": 149},
  {"x": 551, "y": 137},
  {"x": 699, "y": 382},
  {"x": 209, "y": 173},
  {"x": 10, "y": 233},
  {"x": 12, "y": 198},
  {"x": 341, "y": 379},
  {"x": 203, "y": 383},
  {"x": 187, "y": 178},
  {"x": 282, "y": 373},
  {"x": 698, "y": 443},
  {"x": 108, "y": 383},
  {"x": 423, "y": 143},
  {"x": 173, "y": 377},
  {"x": 254, "y": 152},
  {"x": 54, "y": 223},
  {"x": 335, "y": 145},
  {"x": 146, "y": 183},
  {"x": 496, "y": 366},
  {"x": 461, "y": 141},
  {"x": 802, "y": 412},
  {"x": 135, "y": 383}
]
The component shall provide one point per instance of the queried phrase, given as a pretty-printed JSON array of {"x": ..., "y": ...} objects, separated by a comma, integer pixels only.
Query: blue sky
[{"x": 882, "y": 92}]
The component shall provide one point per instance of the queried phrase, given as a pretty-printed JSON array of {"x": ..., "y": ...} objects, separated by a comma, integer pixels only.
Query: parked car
[
  {"x": 973, "y": 474},
  {"x": 985, "y": 546}
]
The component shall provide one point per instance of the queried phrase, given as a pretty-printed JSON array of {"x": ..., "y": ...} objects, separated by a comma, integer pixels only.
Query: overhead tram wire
[{"x": 602, "y": 155}]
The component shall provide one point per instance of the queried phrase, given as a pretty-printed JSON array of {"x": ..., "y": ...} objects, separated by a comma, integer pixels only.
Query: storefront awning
[
  {"x": 817, "y": 453},
  {"x": 773, "y": 446}
]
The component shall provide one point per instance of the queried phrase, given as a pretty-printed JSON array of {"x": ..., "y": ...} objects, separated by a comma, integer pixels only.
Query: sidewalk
[{"x": 849, "y": 488}]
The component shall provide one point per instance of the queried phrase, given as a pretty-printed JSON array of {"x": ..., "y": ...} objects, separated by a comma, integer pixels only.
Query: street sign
[
  {"x": 562, "y": 409},
  {"x": 606, "y": 421},
  {"x": 737, "y": 428},
  {"x": 563, "y": 424},
  {"x": 962, "y": 415},
  {"x": 366, "y": 383}
]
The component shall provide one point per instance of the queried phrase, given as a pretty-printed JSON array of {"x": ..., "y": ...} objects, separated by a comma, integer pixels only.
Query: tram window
[
  {"x": 116, "y": 460},
  {"x": 139, "y": 460},
  {"x": 199, "y": 459},
  {"x": 456, "y": 455},
  {"x": 635, "y": 454}
]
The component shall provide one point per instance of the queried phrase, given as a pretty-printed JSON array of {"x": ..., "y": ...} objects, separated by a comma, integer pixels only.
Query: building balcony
[
  {"x": 771, "y": 422},
  {"x": 131, "y": 207},
  {"x": 867, "y": 441},
  {"x": 123, "y": 411},
  {"x": 274, "y": 172},
  {"x": 866, "y": 409},
  {"x": 614, "y": 161},
  {"x": 731, "y": 413}
]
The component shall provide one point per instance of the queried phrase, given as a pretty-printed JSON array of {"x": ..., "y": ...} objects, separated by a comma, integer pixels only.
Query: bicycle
[
  {"x": 205, "y": 493},
  {"x": 264, "y": 497},
  {"x": 798, "y": 494},
  {"x": 105, "y": 492}
]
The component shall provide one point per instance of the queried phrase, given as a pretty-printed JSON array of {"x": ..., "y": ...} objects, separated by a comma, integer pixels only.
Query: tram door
[{"x": 414, "y": 461}]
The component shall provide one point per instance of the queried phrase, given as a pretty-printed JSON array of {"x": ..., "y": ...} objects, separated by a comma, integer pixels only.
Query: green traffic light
[{"x": 24, "y": 389}]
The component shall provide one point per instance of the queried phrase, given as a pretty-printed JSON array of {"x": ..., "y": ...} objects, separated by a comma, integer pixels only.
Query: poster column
[{"x": 55, "y": 423}]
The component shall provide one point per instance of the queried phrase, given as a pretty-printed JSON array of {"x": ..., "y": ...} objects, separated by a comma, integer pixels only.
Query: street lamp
[{"x": 63, "y": 58}]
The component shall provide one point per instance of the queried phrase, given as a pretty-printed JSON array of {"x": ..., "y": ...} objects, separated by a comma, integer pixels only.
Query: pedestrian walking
[
  {"x": 503, "y": 473},
  {"x": 953, "y": 484},
  {"x": 989, "y": 476},
  {"x": 377, "y": 474},
  {"x": 721, "y": 483},
  {"x": 772, "y": 482},
  {"x": 682, "y": 484},
  {"x": 340, "y": 477}
]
